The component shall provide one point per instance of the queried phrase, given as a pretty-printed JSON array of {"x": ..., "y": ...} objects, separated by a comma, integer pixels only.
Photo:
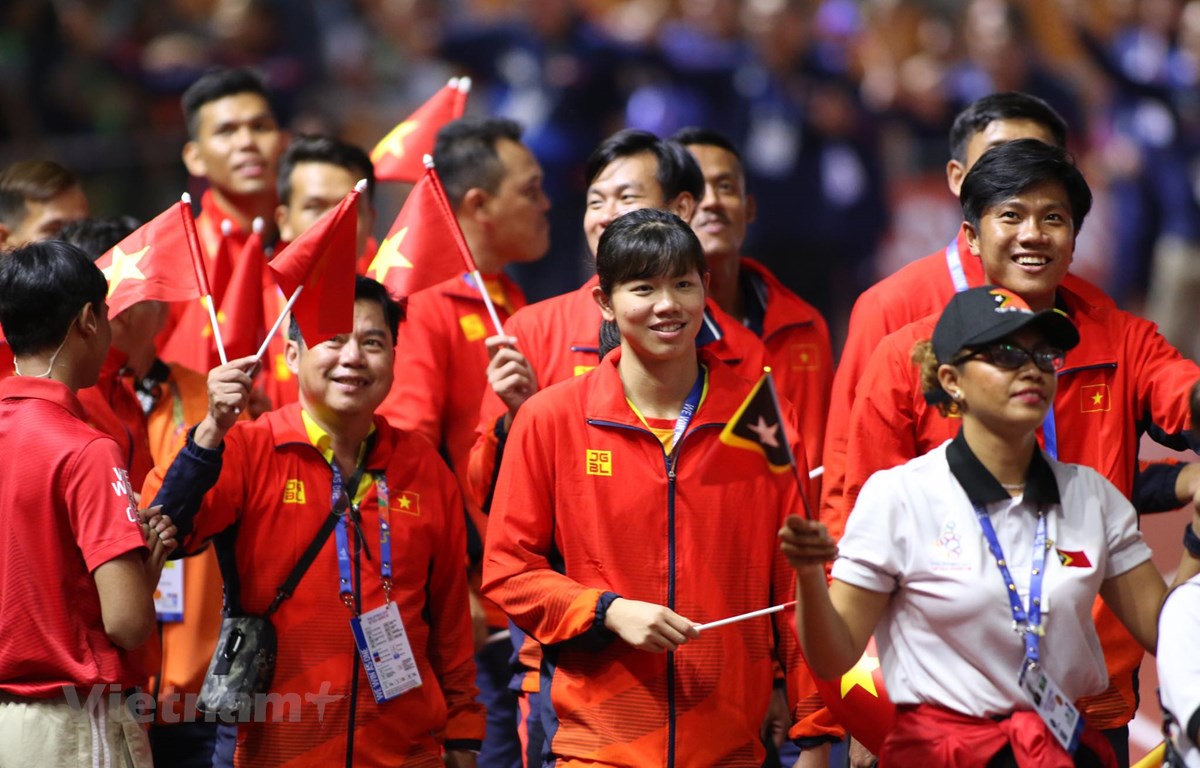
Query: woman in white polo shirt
[{"x": 976, "y": 565}]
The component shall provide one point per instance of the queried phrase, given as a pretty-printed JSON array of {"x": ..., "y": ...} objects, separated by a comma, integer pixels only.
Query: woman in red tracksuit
[{"x": 621, "y": 521}]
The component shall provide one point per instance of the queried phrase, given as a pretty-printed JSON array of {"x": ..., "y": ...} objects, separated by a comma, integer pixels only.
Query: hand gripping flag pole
[{"x": 758, "y": 426}]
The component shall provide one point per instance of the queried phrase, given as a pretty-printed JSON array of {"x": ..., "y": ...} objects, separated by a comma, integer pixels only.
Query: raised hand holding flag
[
  {"x": 317, "y": 271},
  {"x": 397, "y": 157}
]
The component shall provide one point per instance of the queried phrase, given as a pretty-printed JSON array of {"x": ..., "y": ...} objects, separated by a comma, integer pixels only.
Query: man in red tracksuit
[
  {"x": 1122, "y": 380},
  {"x": 268, "y": 485},
  {"x": 494, "y": 184},
  {"x": 795, "y": 335}
]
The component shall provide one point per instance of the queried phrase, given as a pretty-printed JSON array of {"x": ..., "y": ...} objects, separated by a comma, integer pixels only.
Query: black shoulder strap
[{"x": 227, "y": 560}]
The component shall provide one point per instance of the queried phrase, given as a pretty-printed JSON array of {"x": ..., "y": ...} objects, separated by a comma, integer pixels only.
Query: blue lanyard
[
  {"x": 955, "y": 265},
  {"x": 688, "y": 410},
  {"x": 1050, "y": 433},
  {"x": 345, "y": 582},
  {"x": 959, "y": 277},
  {"x": 1027, "y": 622}
]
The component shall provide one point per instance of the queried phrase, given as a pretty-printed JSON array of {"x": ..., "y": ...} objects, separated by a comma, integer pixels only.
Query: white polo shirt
[
  {"x": 1179, "y": 664},
  {"x": 946, "y": 636}
]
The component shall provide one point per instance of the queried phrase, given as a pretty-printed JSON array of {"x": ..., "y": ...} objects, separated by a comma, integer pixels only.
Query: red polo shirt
[{"x": 65, "y": 510}]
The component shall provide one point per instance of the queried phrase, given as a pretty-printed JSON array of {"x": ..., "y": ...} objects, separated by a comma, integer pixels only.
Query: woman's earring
[{"x": 957, "y": 396}]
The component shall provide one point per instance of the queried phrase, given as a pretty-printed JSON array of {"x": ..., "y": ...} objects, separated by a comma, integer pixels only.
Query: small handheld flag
[
  {"x": 320, "y": 265},
  {"x": 757, "y": 425},
  {"x": 155, "y": 262},
  {"x": 397, "y": 157}
]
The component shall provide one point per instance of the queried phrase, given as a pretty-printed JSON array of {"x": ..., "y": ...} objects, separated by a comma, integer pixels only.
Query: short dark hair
[
  {"x": 323, "y": 149},
  {"x": 694, "y": 135},
  {"x": 36, "y": 180},
  {"x": 1003, "y": 106},
  {"x": 465, "y": 154},
  {"x": 217, "y": 84},
  {"x": 677, "y": 172},
  {"x": 97, "y": 235},
  {"x": 366, "y": 289},
  {"x": 43, "y": 286},
  {"x": 1008, "y": 169},
  {"x": 648, "y": 242}
]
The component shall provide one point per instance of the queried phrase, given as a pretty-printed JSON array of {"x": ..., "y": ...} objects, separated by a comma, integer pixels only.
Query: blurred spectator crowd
[{"x": 841, "y": 107}]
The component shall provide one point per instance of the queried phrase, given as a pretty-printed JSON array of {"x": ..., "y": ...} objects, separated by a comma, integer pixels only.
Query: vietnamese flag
[
  {"x": 240, "y": 308},
  {"x": 319, "y": 266},
  {"x": 398, "y": 156},
  {"x": 424, "y": 246},
  {"x": 156, "y": 262}
]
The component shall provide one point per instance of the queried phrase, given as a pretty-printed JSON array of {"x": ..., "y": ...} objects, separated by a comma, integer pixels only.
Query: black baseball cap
[{"x": 979, "y": 316}]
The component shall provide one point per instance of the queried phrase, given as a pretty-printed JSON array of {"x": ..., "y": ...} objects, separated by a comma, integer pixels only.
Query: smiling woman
[
  {"x": 934, "y": 547},
  {"x": 621, "y": 522}
]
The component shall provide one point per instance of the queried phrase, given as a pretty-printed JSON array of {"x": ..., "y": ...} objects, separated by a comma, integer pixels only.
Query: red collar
[{"x": 32, "y": 388}]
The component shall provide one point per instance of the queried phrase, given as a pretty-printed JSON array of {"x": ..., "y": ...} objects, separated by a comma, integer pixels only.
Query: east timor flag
[{"x": 758, "y": 426}]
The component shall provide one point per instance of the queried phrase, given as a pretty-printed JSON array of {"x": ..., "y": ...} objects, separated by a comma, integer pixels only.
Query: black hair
[
  {"x": 36, "y": 180},
  {"x": 677, "y": 172},
  {"x": 1003, "y": 106},
  {"x": 1009, "y": 169},
  {"x": 706, "y": 137},
  {"x": 323, "y": 149},
  {"x": 97, "y": 235},
  {"x": 217, "y": 84},
  {"x": 648, "y": 242},
  {"x": 43, "y": 286},
  {"x": 366, "y": 289},
  {"x": 465, "y": 154}
]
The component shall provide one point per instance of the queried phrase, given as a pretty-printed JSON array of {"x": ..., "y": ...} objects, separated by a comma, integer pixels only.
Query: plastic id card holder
[
  {"x": 168, "y": 596},
  {"x": 386, "y": 654},
  {"x": 1056, "y": 710}
]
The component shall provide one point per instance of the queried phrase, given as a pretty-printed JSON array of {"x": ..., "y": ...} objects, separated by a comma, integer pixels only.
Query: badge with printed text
[
  {"x": 1056, "y": 710},
  {"x": 168, "y": 595},
  {"x": 386, "y": 654}
]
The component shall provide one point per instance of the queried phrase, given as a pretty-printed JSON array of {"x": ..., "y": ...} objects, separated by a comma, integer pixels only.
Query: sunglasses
[{"x": 1010, "y": 356}]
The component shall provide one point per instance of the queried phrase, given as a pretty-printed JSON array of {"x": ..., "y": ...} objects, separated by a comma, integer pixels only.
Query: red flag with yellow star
[
  {"x": 398, "y": 156},
  {"x": 424, "y": 246},
  {"x": 320, "y": 264},
  {"x": 240, "y": 308},
  {"x": 154, "y": 263},
  {"x": 859, "y": 700}
]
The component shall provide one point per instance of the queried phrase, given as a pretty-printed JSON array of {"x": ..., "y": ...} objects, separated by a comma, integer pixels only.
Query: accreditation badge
[
  {"x": 386, "y": 654},
  {"x": 168, "y": 595},
  {"x": 1056, "y": 710}
]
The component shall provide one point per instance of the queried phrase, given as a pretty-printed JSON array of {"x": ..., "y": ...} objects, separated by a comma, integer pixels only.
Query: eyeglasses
[{"x": 1012, "y": 357}]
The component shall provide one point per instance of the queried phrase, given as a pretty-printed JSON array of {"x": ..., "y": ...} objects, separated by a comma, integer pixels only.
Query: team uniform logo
[
  {"x": 407, "y": 502},
  {"x": 473, "y": 327},
  {"x": 293, "y": 492},
  {"x": 805, "y": 357},
  {"x": 1095, "y": 398},
  {"x": 1077, "y": 559},
  {"x": 598, "y": 463},
  {"x": 122, "y": 487}
]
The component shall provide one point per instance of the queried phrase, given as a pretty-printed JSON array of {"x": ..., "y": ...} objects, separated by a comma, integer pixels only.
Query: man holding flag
[
  {"x": 315, "y": 175},
  {"x": 279, "y": 478},
  {"x": 494, "y": 185}
]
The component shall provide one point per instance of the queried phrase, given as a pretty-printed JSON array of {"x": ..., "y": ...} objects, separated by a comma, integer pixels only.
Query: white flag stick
[
  {"x": 278, "y": 322},
  {"x": 744, "y": 616},
  {"x": 216, "y": 326},
  {"x": 814, "y": 474},
  {"x": 487, "y": 300}
]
